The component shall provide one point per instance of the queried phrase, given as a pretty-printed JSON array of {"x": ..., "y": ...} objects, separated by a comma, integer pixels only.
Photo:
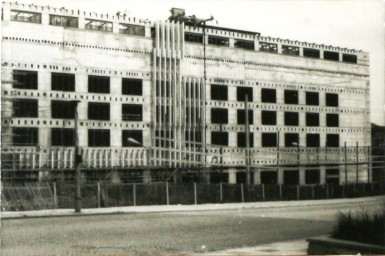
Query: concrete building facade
[{"x": 171, "y": 95}]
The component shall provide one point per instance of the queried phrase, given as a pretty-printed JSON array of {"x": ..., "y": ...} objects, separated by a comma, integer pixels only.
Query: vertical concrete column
[
  {"x": 322, "y": 175},
  {"x": 232, "y": 176},
  {"x": 302, "y": 176},
  {"x": 279, "y": 48},
  {"x": 280, "y": 176},
  {"x": 280, "y": 92},
  {"x": 44, "y": 17},
  {"x": 257, "y": 177},
  {"x": 231, "y": 42},
  {"x": 257, "y": 141},
  {"x": 147, "y": 31},
  {"x": 340, "y": 57},
  {"x": 280, "y": 118},
  {"x": 115, "y": 27},
  {"x": 83, "y": 110},
  {"x": 232, "y": 93},
  {"x": 233, "y": 116},
  {"x": 232, "y": 139},
  {"x": 6, "y": 12},
  {"x": 257, "y": 117},
  {"x": 256, "y": 44},
  {"x": 321, "y": 54},
  {"x": 257, "y": 95},
  {"x": 44, "y": 134},
  {"x": 82, "y": 21},
  {"x": 301, "y": 97},
  {"x": 322, "y": 99},
  {"x": 147, "y": 101},
  {"x": 81, "y": 82},
  {"x": 302, "y": 118},
  {"x": 116, "y": 136},
  {"x": 83, "y": 136},
  {"x": 301, "y": 51},
  {"x": 322, "y": 119},
  {"x": 281, "y": 139}
]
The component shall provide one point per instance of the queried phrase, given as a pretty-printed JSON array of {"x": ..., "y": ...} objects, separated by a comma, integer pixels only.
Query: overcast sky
[{"x": 357, "y": 24}]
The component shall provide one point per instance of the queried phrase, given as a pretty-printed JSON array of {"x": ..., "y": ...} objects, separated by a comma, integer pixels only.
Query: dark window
[
  {"x": 98, "y": 25},
  {"x": 219, "y": 116},
  {"x": 242, "y": 92},
  {"x": 219, "y": 92},
  {"x": 215, "y": 40},
  {"x": 99, "y": 84},
  {"x": 31, "y": 17},
  {"x": 291, "y": 118},
  {"x": 241, "y": 139},
  {"x": 25, "y": 79},
  {"x": 331, "y": 100},
  {"x": 64, "y": 137},
  {"x": 290, "y": 50},
  {"x": 269, "y": 95},
  {"x": 63, "y": 109},
  {"x": 267, "y": 47},
  {"x": 25, "y": 108},
  {"x": 132, "y": 138},
  {"x": 269, "y": 117},
  {"x": 312, "y": 98},
  {"x": 312, "y": 140},
  {"x": 98, "y": 111},
  {"x": 193, "y": 38},
  {"x": 269, "y": 139},
  {"x": 241, "y": 117},
  {"x": 291, "y": 97},
  {"x": 332, "y": 140},
  {"x": 350, "y": 58},
  {"x": 332, "y": 176},
  {"x": 312, "y": 176},
  {"x": 98, "y": 138},
  {"x": 25, "y": 136},
  {"x": 312, "y": 119},
  {"x": 332, "y": 120},
  {"x": 269, "y": 177},
  {"x": 244, "y": 44},
  {"x": 63, "y": 82},
  {"x": 220, "y": 138},
  {"x": 132, "y": 86},
  {"x": 132, "y": 29},
  {"x": 63, "y": 21},
  {"x": 331, "y": 56},
  {"x": 291, "y": 177},
  {"x": 132, "y": 112},
  {"x": 291, "y": 139},
  {"x": 311, "y": 53}
]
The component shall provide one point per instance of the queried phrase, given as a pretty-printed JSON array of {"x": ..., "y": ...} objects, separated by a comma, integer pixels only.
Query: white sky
[{"x": 357, "y": 24}]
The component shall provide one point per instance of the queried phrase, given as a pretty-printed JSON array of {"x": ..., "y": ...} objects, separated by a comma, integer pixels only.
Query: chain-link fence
[{"x": 18, "y": 197}]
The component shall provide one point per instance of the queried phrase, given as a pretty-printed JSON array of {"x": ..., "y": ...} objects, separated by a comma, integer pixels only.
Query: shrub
[{"x": 361, "y": 227}]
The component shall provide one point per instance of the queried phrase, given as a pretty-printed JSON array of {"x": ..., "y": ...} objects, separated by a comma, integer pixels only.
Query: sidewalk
[
  {"x": 294, "y": 247},
  {"x": 185, "y": 208}
]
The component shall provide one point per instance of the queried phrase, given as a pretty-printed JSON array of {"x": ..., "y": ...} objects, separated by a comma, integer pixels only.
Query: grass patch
[{"x": 361, "y": 226}]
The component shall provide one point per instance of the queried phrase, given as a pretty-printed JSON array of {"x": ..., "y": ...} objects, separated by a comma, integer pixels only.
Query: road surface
[{"x": 167, "y": 233}]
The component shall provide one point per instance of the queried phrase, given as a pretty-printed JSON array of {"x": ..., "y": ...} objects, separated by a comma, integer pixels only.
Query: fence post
[
  {"x": 242, "y": 195},
  {"x": 99, "y": 192},
  {"x": 220, "y": 192},
  {"x": 263, "y": 192},
  {"x": 195, "y": 193},
  {"x": 298, "y": 192},
  {"x": 54, "y": 193},
  {"x": 280, "y": 191},
  {"x": 134, "y": 193},
  {"x": 168, "y": 202}
]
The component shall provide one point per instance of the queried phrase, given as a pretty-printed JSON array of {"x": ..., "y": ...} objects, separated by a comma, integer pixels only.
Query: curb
[{"x": 184, "y": 208}]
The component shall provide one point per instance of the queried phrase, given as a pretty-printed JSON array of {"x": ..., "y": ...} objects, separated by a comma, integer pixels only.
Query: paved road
[{"x": 166, "y": 233}]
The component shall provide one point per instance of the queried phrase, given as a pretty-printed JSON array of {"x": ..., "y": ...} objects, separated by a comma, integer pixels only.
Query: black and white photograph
[{"x": 170, "y": 127}]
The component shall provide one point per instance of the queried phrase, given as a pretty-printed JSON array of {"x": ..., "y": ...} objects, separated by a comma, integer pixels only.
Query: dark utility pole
[
  {"x": 78, "y": 160},
  {"x": 247, "y": 141}
]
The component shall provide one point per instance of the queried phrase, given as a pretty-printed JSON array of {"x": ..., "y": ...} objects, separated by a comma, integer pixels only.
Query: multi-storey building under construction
[{"x": 179, "y": 97}]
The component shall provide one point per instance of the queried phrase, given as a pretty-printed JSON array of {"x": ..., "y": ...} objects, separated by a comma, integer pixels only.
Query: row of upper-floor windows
[
  {"x": 28, "y": 108},
  {"x": 101, "y": 25},
  {"x": 73, "y": 22},
  {"x": 271, "y": 47},
  {"x": 221, "y": 116},
  {"x": 66, "y": 82},
  {"x": 220, "y": 92},
  {"x": 29, "y": 136},
  {"x": 270, "y": 139}
]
